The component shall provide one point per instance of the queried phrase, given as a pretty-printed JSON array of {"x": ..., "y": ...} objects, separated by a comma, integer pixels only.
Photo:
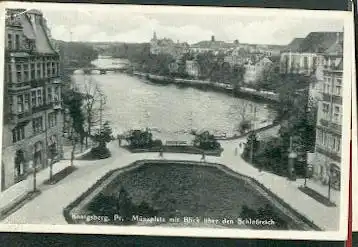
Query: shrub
[
  {"x": 100, "y": 152},
  {"x": 140, "y": 139},
  {"x": 157, "y": 143},
  {"x": 206, "y": 141}
]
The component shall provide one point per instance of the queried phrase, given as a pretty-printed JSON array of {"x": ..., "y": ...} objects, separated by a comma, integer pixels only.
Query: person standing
[{"x": 119, "y": 140}]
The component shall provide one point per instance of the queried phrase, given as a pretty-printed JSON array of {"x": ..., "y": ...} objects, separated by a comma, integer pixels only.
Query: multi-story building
[
  {"x": 32, "y": 119},
  {"x": 254, "y": 71},
  {"x": 167, "y": 46},
  {"x": 192, "y": 68},
  {"x": 298, "y": 63},
  {"x": 327, "y": 162},
  {"x": 301, "y": 56}
]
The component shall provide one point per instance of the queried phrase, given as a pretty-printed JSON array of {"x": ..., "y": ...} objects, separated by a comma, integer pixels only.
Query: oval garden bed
[{"x": 177, "y": 193}]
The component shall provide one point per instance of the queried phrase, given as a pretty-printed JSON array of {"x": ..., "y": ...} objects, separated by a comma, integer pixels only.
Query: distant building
[
  {"x": 329, "y": 118},
  {"x": 301, "y": 56},
  {"x": 298, "y": 63},
  {"x": 254, "y": 71},
  {"x": 192, "y": 68},
  {"x": 32, "y": 119},
  {"x": 213, "y": 46},
  {"x": 167, "y": 46},
  {"x": 173, "y": 67}
]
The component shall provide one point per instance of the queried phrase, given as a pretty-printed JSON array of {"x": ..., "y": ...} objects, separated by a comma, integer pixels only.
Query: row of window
[
  {"x": 13, "y": 41},
  {"x": 28, "y": 72},
  {"x": 332, "y": 142},
  {"x": 18, "y": 133},
  {"x": 332, "y": 85},
  {"x": 332, "y": 113},
  {"x": 37, "y": 98}
]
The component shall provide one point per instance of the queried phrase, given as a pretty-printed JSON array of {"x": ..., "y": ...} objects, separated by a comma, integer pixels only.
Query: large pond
[{"x": 132, "y": 102}]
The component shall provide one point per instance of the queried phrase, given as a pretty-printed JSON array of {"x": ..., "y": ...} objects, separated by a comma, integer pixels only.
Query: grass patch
[
  {"x": 60, "y": 175},
  {"x": 205, "y": 190},
  {"x": 317, "y": 196}
]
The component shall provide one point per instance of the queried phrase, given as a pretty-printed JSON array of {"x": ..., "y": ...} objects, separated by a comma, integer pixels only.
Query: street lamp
[
  {"x": 292, "y": 156},
  {"x": 34, "y": 171},
  {"x": 308, "y": 173}
]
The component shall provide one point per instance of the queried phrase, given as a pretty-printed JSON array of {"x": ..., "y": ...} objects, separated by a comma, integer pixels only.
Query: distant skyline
[{"x": 100, "y": 26}]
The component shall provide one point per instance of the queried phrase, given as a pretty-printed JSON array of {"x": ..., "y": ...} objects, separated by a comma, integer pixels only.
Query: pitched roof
[
  {"x": 318, "y": 42},
  {"x": 33, "y": 29},
  {"x": 295, "y": 44}
]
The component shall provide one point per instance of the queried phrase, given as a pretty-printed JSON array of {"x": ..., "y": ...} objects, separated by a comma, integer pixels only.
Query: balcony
[
  {"x": 41, "y": 108},
  {"x": 333, "y": 127},
  {"x": 16, "y": 118},
  {"x": 19, "y": 86},
  {"x": 334, "y": 98},
  {"x": 57, "y": 105},
  {"x": 329, "y": 153}
]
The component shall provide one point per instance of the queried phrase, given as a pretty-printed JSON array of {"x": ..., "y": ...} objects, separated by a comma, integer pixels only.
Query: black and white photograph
[{"x": 175, "y": 121}]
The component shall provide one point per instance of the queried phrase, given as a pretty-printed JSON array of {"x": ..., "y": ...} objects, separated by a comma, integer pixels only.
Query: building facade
[
  {"x": 32, "y": 119},
  {"x": 254, "y": 71},
  {"x": 192, "y": 68},
  {"x": 167, "y": 46},
  {"x": 328, "y": 147},
  {"x": 298, "y": 63}
]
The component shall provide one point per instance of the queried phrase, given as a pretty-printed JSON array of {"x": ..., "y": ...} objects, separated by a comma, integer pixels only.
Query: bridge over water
[{"x": 90, "y": 70}]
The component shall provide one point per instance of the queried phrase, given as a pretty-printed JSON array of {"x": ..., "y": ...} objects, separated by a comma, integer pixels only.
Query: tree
[
  {"x": 242, "y": 110},
  {"x": 251, "y": 147},
  {"x": 299, "y": 124},
  {"x": 270, "y": 79},
  {"x": 104, "y": 135},
  {"x": 92, "y": 95},
  {"x": 73, "y": 105},
  {"x": 237, "y": 78},
  {"x": 77, "y": 53}
]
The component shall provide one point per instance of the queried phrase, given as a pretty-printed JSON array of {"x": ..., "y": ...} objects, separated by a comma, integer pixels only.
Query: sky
[{"x": 135, "y": 27}]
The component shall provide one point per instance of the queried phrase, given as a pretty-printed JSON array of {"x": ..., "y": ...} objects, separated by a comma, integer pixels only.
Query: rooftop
[
  {"x": 319, "y": 42},
  {"x": 34, "y": 30}
]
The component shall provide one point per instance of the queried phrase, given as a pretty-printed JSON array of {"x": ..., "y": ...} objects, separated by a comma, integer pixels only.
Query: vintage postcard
[{"x": 175, "y": 121}]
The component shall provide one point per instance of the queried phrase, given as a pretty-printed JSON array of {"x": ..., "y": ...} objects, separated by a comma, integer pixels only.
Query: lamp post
[
  {"x": 330, "y": 172},
  {"x": 292, "y": 156},
  {"x": 253, "y": 108}
]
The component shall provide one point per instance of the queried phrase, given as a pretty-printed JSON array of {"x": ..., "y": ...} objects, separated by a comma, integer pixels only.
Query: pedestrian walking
[
  {"x": 203, "y": 157},
  {"x": 161, "y": 153}
]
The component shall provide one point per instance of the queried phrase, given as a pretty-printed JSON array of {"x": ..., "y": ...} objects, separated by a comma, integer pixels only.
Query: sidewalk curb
[{"x": 18, "y": 203}]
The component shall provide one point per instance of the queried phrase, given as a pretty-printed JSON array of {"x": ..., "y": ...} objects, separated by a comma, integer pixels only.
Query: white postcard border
[{"x": 346, "y": 16}]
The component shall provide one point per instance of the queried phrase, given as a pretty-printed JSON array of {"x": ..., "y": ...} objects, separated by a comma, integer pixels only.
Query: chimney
[{"x": 212, "y": 38}]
